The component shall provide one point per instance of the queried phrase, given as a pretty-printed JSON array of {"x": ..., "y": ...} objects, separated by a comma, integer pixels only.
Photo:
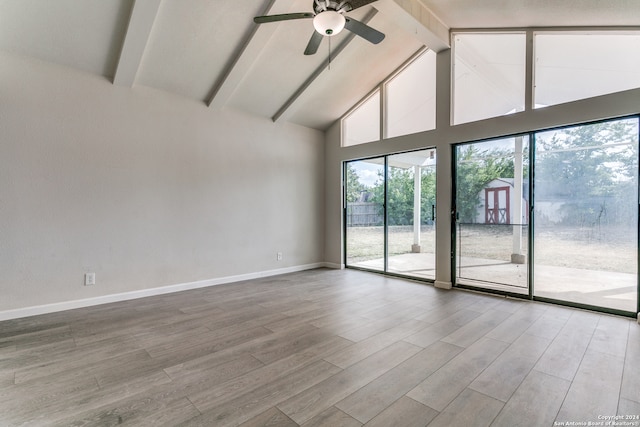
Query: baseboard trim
[
  {"x": 442, "y": 285},
  {"x": 334, "y": 265},
  {"x": 125, "y": 296}
]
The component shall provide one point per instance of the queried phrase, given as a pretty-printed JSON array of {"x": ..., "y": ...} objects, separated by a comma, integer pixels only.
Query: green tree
[
  {"x": 592, "y": 169},
  {"x": 400, "y": 193},
  {"x": 354, "y": 186},
  {"x": 476, "y": 167},
  {"x": 400, "y": 196}
]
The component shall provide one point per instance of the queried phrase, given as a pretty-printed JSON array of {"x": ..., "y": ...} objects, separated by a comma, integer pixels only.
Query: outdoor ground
[
  {"x": 606, "y": 250},
  {"x": 589, "y": 266}
]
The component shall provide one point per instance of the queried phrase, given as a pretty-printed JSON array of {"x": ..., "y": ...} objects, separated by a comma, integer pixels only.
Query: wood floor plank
[
  {"x": 13, "y": 359},
  {"x": 447, "y": 308},
  {"x": 595, "y": 389},
  {"x": 470, "y": 408},
  {"x": 535, "y": 403},
  {"x": 404, "y": 412},
  {"x": 47, "y": 361},
  {"x": 362, "y": 349},
  {"x": 337, "y": 323},
  {"x": 501, "y": 379},
  {"x": 476, "y": 329},
  {"x": 547, "y": 326},
  {"x": 332, "y": 417},
  {"x": 28, "y": 325},
  {"x": 321, "y": 347},
  {"x": 272, "y": 417},
  {"x": 295, "y": 342},
  {"x": 210, "y": 361},
  {"x": 442, "y": 328},
  {"x": 219, "y": 361},
  {"x": 368, "y": 401},
  {"x": 85, "y": 364},
  {"x": 149, "y": 412},
  {"x": 630, "y": 389},
  {"x": 439, "y": 389},
  {"x": 513, "y": 327},
  {"x": 515, "y": 306},
  {"x": 35, "y": 340},
  {"x": 149, "y": 393},
  {"x": 565, "y": 353},
  {"x": 27, "y": 402},
  {"x": 320, "y": 397},
  {"x": 288, "y": 322},
  {"x": 248, "y": 405},
  {"x": 7, "y": 379},
  {"x": 205, "y": 376},
  {"x": 121, "y": 369},
  {"x": 610, "y": 336},
  {"x": 194, "y": 347},
  {"x": 629, "y": 407},
  {"x": 226, "y": 391},
  {"x": 369, "y": 329}
]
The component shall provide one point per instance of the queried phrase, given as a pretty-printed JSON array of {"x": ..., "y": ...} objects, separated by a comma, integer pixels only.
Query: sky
[{"x": 367, "y": 172}]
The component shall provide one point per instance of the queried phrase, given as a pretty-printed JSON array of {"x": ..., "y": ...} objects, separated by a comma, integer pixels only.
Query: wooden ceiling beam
[
  {"x": 244, "y": 60},
  {"x": 416, "y": 19},
  {"x": 143, "y": 16}
]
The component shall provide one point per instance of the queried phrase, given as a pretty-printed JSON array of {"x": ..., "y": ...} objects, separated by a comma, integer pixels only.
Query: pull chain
[{"x": 329, "y": 53}]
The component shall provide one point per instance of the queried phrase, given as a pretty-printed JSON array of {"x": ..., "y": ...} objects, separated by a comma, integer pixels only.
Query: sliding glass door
[
  {"x": 586, "y": 214},
  {"x": 492, "y": 211},
  {"x": 582, "y": 183},
  {"x": 411, "y": 204},
  {"x": 390, "y": 214},
  {"x": 364, "y": 213}
]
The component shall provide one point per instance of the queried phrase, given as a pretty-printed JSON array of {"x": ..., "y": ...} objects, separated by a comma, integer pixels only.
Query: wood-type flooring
[{"x": 320, "y": 348}]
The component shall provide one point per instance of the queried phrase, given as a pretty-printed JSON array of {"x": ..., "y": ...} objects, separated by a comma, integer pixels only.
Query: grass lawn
[{"x": 605, "y": 249}]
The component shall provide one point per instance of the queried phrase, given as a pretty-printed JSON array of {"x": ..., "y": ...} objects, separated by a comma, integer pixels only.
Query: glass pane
[
  {"x": 574, "y": 66},
  {"x": 586, "y": 214},
  {"x": 489, "y": 75},
  {"x": 365, "y": 213},
  {"x": 411, "y": 205},
  {"x": 492, "y": 205},
  {"x": 411, "y": 97},
  {"x": 363, "y": 124}
]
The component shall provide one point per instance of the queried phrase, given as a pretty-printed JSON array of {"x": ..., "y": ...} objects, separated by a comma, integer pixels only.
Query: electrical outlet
[
  {"x": 279, "y": 256},
  {"x": 89, "y": 279}
]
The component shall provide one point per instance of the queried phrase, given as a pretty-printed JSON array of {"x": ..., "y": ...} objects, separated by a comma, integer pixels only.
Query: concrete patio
[{"x": 598, "y": 288}]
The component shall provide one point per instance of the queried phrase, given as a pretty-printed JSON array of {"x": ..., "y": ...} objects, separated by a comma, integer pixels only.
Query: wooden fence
[{"x": 364, "y": 214}]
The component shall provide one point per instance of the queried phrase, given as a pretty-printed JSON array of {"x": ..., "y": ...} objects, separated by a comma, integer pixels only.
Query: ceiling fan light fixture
[{"x": 329, "y": 23}]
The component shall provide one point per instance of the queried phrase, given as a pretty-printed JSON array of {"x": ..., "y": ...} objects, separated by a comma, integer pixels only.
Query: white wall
[{"x": 143, "y": 188}]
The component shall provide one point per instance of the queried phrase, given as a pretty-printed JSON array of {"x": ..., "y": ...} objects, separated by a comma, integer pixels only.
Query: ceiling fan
[{"x": 328, "y": 20}]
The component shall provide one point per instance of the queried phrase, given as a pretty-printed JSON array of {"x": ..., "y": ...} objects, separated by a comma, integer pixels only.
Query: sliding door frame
[
  {"x": 385, "y": 210},
  {"x": 454, "y": 219},
  {"x": 531, "y": 225}
]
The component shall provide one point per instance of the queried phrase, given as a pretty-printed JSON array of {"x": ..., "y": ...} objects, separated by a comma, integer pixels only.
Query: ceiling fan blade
[
  {"x": 282, "y": 17},
  {"x": 359, "y": 3},
  {"x": 364, "y": 31},
  {"x": 314, "y": 43}
]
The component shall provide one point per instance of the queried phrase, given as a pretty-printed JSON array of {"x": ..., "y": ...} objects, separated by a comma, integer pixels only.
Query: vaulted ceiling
[{"x": 212, "y": 51}]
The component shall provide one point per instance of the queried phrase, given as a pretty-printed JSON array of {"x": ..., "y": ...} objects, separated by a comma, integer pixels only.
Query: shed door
[{"x": 497, "y": 205}]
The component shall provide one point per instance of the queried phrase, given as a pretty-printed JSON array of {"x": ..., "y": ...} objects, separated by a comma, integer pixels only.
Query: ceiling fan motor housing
[{"x": 340, "y": 6}]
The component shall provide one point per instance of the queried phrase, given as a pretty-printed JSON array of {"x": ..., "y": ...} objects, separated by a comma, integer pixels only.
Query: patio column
[
  {"x": 517, "y": 257},
  {"x": 417, "y": 188}
]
